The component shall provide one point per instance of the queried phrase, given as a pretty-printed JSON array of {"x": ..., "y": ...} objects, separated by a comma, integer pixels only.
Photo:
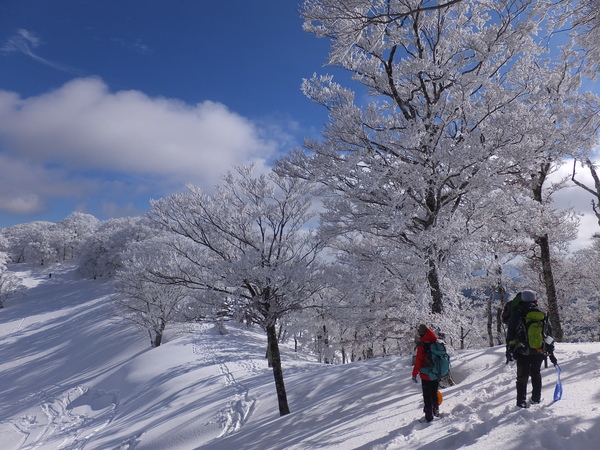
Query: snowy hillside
[{"x": 73, "y": 378}]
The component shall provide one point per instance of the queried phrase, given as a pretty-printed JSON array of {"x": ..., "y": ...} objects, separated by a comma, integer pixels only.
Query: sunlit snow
[{"x": 74, "y": 378}]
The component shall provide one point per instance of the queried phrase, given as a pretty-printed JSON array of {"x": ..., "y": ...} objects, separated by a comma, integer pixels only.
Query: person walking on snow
[
  {"x": 430, "y": 387},
  {"x": 529, "y": 360}
]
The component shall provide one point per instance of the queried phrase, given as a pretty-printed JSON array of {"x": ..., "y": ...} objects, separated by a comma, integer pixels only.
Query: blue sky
[{"x": 105, "y": 104}]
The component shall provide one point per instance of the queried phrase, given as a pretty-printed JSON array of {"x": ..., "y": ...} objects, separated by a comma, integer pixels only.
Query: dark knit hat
[
  {"x": 528, "y": 296},
  {"x": 422, "y": 329}
]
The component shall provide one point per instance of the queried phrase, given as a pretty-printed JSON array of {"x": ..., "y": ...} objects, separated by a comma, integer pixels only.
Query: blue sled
[{"x": 558, "y": 390}]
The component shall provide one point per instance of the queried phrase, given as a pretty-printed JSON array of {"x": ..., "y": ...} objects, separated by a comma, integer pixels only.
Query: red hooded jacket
[{"x": 421, "y": 358}]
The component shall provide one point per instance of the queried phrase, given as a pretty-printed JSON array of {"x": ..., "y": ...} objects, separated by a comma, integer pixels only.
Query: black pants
[
  {"x": 529, "y": 366},
  {"x": 430, "y": 389}
]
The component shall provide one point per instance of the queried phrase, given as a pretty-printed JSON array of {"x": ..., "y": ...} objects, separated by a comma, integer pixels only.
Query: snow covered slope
[{"x": 74, "y": 378}]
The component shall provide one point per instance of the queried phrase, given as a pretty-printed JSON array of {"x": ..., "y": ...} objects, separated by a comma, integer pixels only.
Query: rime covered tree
[
  {"x": 102, "y": 253},
  {"x": 459, "y": 98},
  {"x": 247, "y": 248},
  {"x": 582, "y": 19},
  {"x": 72, "y": 231},
  {"x": 9, "y": 284},
  {"x": 144, "y": 299}
]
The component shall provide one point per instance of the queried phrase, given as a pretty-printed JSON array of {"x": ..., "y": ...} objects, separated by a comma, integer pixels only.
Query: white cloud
[
  {"x": 83, "y": 126},
  {"x": 21, "y": 204},
  {"x": 25, "y": 41},
  {"x": 82, "y": 141},
  {"x": 24, "y": 186},
  {"x": 22, "y": 41},
  {"x": 112, "y": 209},
  {"x": 578, "y": 199}
]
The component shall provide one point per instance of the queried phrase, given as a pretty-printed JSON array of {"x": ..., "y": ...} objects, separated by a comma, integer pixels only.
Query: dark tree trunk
[
  {"x": 156, "y": 340},
  {"x": 277, "y": 370},
  {"x": 490, "y": 322},
  {"x": 544, "y": 244},
  {"x": 500, "y": 335},
  {"x": 434, "y": 286},
  {"x": 502, "y": 296},
  {"x": 326, "y": 345}
]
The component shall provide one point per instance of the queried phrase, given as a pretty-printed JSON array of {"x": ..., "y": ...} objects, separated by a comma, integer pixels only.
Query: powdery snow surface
[{"x": 74, "y": 378}]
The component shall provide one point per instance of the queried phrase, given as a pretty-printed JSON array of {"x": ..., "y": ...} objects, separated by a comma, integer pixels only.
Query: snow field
[{"x": 75, "y": 378}]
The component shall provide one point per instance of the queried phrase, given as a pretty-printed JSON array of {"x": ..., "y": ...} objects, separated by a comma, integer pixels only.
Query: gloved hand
[
  {"x": 414, "y": 379},
  {"x": 553, "y": 359}
]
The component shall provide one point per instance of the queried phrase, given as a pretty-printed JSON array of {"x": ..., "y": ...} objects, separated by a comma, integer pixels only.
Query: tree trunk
[
  {"x": 325, "y": 345},
  {"x": 277, "y": 370},
  {"x": 500, "y": 335},
  {"x": 158, "y": 340},
  {"x": 502, "y": 296},
  {"x": 434, "y": 286},
  {"x": 490, "y": 320},
  {"x": 544, "y": 245}
]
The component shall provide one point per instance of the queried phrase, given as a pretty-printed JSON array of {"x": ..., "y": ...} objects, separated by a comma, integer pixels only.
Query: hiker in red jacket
[{"x": 430, "y": 387}]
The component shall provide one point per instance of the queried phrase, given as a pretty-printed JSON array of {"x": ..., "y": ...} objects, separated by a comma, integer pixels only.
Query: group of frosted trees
[
  {"x": 433, "y": 182},
  {"x": 10, "y": 285}
]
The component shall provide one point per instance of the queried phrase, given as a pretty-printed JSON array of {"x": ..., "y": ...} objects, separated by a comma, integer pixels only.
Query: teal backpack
[{"x": 438, "y": 360}]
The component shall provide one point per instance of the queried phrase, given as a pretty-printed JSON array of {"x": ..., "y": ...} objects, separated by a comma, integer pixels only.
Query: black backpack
[
  {"x": 506, "y": 313},
  {"x": 509, "y": 307}
]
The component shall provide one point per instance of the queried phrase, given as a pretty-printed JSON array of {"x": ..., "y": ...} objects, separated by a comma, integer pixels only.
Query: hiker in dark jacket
[
  {"x": 529, "y": 361},
  {"x": 430, "y": 387},
  {"x": 509, "y": 306}
]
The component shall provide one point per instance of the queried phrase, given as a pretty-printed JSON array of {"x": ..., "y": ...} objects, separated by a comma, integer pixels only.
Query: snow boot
[{"x": 428, "y": 414}]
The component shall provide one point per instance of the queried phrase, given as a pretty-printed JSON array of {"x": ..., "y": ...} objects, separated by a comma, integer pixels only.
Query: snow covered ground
[{"x": 74, "y": 378}]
